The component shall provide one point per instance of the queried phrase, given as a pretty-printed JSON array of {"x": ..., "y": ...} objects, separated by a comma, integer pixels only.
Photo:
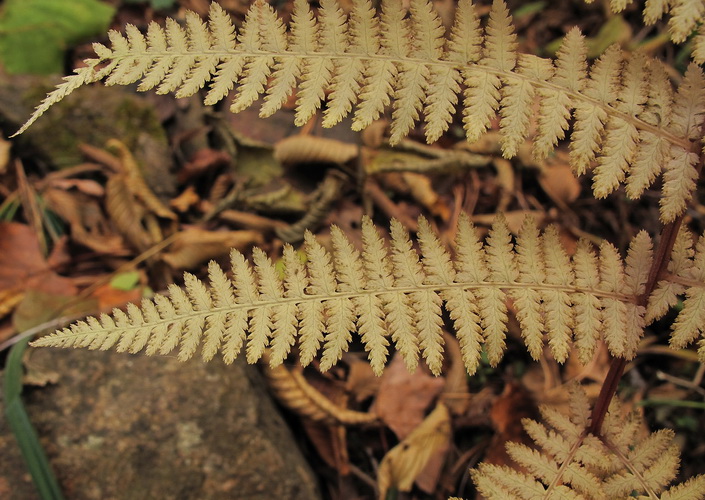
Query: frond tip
[
  {"x": 393, "y": 294},
  {"x": 626, "y": 117},
  {"x": 569, "y": 462}
]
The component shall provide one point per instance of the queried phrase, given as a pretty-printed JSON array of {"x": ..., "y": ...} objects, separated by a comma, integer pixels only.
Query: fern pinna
[
  {"x": 626, "y": 116},
  {"x": 397, "y": 294}
]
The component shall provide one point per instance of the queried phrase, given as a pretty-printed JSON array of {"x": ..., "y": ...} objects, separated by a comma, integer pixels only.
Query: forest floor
[{"x": 75, "y": 229}]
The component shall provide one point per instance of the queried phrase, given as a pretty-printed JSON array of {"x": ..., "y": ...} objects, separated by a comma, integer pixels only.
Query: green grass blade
[{"x": 22, "y": 428}]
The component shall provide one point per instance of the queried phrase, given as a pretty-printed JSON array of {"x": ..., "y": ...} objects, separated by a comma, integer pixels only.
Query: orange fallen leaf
[{"x": 22, "y": 265}]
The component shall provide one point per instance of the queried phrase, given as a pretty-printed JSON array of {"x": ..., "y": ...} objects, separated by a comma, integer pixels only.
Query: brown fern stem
[
  {"x": 661, "y": 258},
  {"x": 609, "y": 387}
]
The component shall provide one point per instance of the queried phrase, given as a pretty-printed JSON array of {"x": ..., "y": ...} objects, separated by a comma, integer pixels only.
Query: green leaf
[
  {"x": 35, "y": 33},
  {"x": 125, "y": 281}
]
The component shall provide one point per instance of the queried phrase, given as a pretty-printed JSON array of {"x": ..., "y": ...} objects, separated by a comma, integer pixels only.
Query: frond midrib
[{"x": 349, "y": 295}]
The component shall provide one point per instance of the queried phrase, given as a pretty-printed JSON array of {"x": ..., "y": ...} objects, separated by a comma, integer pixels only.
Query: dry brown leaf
[
  {"x": 201, "y": 162},
  {"x": 404, "y": 397},
  {"x": 560, "y": 183},
  {"x": 361, "y": 382},
  {"x": 294, "y": 392},
  {"x": 5, "y": 147},
  {"x": 313, "y": 149},
  {"x": 109, "y": 297},
  {"x": 126, "y": 213},
  {"x": 455, "y": 395},
  {"x": 421, "y": 188},
  {"x": 187, "y": 199},
  {"x": 9, "y": 299},
  {"x": 505, "y": 179},
  {"x": 135, "y": 181},
  {"x": 193, "y": 246},
  {"x": 330, "y": 442},
  {"x": 401, "y": 466},
  {"x": 507, "y": 411},
  {"x": 22, "y": 265},
  {"x": 88, "y": 224},
  {"x": 85, "y": 186}
]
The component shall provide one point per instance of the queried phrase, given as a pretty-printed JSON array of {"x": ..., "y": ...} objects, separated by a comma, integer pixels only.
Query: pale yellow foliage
[{"x": 393, "y": 294}]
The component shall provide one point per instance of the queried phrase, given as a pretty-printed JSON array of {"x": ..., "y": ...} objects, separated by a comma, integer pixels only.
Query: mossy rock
[{"x": 91, "y": 115}]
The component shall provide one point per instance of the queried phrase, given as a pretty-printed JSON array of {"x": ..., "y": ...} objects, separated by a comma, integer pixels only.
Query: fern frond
[
  {"x": 363, "y": 64},
  {"x": 396, "y": 292},
  {"x": 568, "y": 462}
]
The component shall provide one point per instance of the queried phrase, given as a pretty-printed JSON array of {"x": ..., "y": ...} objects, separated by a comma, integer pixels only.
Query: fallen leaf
[
  {"x": 193, "y": 246},
  {"x": 22, "y": 265},
  {"x": 401, "y": 466},
  {"x": 5, "y": 147},
  {"x": 361, "y": 381},
  {"x": 455, "y": 395},
  {"x": 313, "y": 149},
  {"x": 514, "y": 404},
  {"x": 559, "y": 182},
  {"x": 109, "y": 296},
  {"x": 404, "y": 397},
  {"x": 9, "y": 299},
  {"x": 330, "y": 443},
  {"x": 187, "y": 199}
]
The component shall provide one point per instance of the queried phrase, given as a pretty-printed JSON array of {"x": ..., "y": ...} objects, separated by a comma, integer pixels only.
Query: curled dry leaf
[
  {"x": 185, "y": 200},
  {"x": 455, "y": 395},
  {"x": 421, "y": 188},
  {"x": 402, "y": 464},
  {"x": 88, "y": 225},
  {"x": 312, "y": 149},
  {"x": 136, "y": 183},
  {"x": 293, "y": 391},
  {"x": 126, "y": 213}
]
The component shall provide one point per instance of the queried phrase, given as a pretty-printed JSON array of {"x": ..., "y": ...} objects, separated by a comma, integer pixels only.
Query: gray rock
[{"x": 119, "y": 426}]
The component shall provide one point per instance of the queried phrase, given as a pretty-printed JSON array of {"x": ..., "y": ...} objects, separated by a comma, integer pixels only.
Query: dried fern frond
[
  {"x": 626, "y": 116},
  {"x": 568, "y": 462},
  {"x": 394, "y": 294}
]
